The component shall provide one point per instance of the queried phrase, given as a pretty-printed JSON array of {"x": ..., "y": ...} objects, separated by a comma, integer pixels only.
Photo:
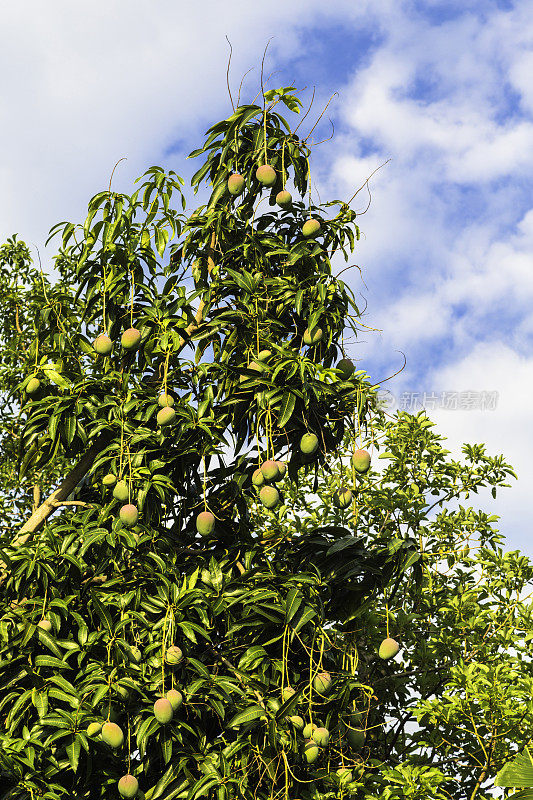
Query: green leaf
[
  {"x": 293, "y": 602},
  {"x": 73, "y": 752},
  {"x": 55, "y": 377},
  {"x": 103, "y": 613},
  {"x": 69, "y": 428},
  {"x": 518, "y": 772},
  {"x": 162, "y": 783},
  {"x": 249, "y": 714},
  {"x": 217, "y": 578},
  {"x": 40, "y": 701},
  {"x": 287, "y": 407},
  {"x": 307, "y": 614},
  {"x": 166, "y": 747},
  {"x": 51, "y": 662},
  {"x": 145, "y": 730},
  {"x": 161, "y": 239}
]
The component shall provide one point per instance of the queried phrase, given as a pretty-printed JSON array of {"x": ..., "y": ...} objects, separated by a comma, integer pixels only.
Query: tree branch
[
  {"x": 57, "y": 504},
  {"x": 17, "y": 323},
  {"x": 41, "y": 514},
  {"x": 36, "y": 497},
  {"x": 484, "y": 771}
]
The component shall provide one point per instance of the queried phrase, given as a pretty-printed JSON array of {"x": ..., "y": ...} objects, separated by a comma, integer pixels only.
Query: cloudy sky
[{"x": 442, "y": 90}]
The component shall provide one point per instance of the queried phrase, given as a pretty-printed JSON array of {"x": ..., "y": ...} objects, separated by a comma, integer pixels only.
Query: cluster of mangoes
[
  {"x": 266, "y": 175},
  {"x": 130, "y": 341},
  {"x": 262, "y": 478},
  {"x": 164, "y": 708},
  {"x": 317, "y": 737},
  {"x": 129, "y": 513}
]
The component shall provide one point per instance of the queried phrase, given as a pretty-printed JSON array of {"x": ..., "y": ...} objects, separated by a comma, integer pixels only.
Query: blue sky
[{"x": 442, "y": 89}]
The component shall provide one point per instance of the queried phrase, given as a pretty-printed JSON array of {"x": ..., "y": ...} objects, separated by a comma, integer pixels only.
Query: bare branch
[
  {"x": 36, "y": 497},
  {"x": 227, "y": 73},
  {"x": 366, "y": 182},
  {"x": 315, "y": 144},
  {"x": 378, "y": 383},
  {"x": 17, "y": 323},
  {"x": 114, "y": 168},
  {"x": 308, "y": 110},
  {"x": 39, "y": 517},
  {"x": 352, "y": 266},
  {"x": 240, "y": 87},
  {"x": 262, "y": 69},
  {"x": 320, "y": 117},
  {"x": 72, "y": 503},
  {"x": 95, "y": 579}
]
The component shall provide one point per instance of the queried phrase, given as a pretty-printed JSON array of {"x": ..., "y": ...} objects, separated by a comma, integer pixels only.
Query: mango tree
[{"x": 155, "y": 640}]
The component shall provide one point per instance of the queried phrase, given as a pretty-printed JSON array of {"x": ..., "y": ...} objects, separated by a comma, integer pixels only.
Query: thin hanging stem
[
  {"x": 165, "y": 371},
  {"x": 130, "y": 478},
  {"x": 265, "y": 134},
  {"x": 309, "y": 180},
  {"x": 129, "y": 743},
  {"x": 132, "y": 293},
  {"x": 204, "y": 481},
  {"x": 103, "y": 300}
]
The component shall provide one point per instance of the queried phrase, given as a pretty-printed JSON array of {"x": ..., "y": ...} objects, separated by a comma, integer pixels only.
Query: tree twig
[
  {"x": 227, "y": 73},
  {"x": 95, "y": 579},
  {"x": 320, "y": 117},
  {"x": 17, "y": 323},
  {"x": 366, "y": 182}
]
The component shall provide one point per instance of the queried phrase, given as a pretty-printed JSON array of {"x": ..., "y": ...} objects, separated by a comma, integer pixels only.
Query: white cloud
[
  {"x": 456, "y": 132},
  {"x": 520, "y": 77},
  {"x": 491, "y": 281},
  {"x": 487, "y": 367},
  {"x": 447, "y": 252},
  {"x": 86, "y": 85}
]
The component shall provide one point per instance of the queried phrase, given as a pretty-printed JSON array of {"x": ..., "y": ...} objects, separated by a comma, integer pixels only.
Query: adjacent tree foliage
[
  {"x": 200, "y": 608},
  {"x": 25, "y": 292},
  {"x": 453, "y": 707}
]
